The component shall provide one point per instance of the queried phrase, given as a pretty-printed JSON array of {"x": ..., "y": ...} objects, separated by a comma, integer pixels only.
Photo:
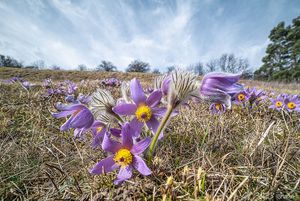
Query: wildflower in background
[
  {"x": 71, "y": 87},
  {"x": 278, "y": 102},
  {"x": 145, "y": 110},
  {"x": 292, "y": 103},
  {"x": 220, "y": 87},
  {"x": 80, "y": 117},
  {"x": 217, "y": 108},
  {"x": 26, "y": 85},
  {"x": 125, "y": 155},
  {"x": 255, "y": 96},
  {"x": 241, "y": 97},
  {"x": 47, "y": 82}
]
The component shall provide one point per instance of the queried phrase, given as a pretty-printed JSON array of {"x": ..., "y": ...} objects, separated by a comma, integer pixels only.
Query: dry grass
[{"x": 236, "y": 156}]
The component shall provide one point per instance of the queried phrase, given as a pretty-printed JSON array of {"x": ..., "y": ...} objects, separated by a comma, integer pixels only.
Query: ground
[{"x": 240, "y": 155}]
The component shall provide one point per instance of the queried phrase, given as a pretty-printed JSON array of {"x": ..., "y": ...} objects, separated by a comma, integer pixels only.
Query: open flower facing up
[
  {"x": 278, "y": 102},
  {"x": 292, "y": 103},
  {"x": 125, "y": 155},
  {"x": 217, "y": 108},
  {"x": 241, "y": 97},
  {"x": 80, "y": 117},
  {"x": 145, "y": 110},
  {"x": 220, "y": 87}
]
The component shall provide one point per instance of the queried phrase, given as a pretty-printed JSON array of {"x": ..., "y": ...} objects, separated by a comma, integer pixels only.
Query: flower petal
[
  {"x": 83, "y": 119},
  {"x": 127, "y": 136},
  {"x": 136, "y": 127},
  {"x": 110, "y": 145},
  {"x": 140, "y": 165},
  {"x": 98, "y": 138},
  {"x": 137, "y": 93},
  {"x": 125, "y": 109},
  {"x": 62, "y": 114},
  {"x": 104, "y": 166},
  {"x": 154, "y": 98},
  {"x": 63, "y": 107},
  {"x": 153, "y": 124},
  {"x": 124, "y": 174},
  {"x": 139, "y": 147}
]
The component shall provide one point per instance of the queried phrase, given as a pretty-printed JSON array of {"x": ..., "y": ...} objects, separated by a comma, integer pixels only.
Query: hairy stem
[{"x": 159, "y": 130}]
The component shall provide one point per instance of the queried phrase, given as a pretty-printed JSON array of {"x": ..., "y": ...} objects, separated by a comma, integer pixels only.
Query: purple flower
[
  {"x": 255, "y": 96},
  {"x": 98, "y": 131},
  {"x": 241, "y": 97},
  {"x": 277, "y": 103},
  {"x": 220, "y": 87},
  {"x": 144, "y": 109},
  {"x": 125, "y": 155},
  {"x": 47, "y": 83},
  {"x": 26, "y": 85},
  {"x": 81, "y": 117},
  {"x": 292, "y": 103},
  {"x": 217, "y": 108}
]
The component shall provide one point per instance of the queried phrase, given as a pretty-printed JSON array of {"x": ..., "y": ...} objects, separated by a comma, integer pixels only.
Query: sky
[{"x": 161, "y": 32}]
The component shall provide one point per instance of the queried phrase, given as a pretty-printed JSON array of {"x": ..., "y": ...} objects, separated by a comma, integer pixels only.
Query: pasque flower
[
  {"x": 241, "y": 97},
  {"x": 125, "y": 155},
  {"x": 217, "y": 108},
  {"x": 145, "y": 110},
  {"x": 220, "y": 87},
  {"x": 80, "y": 117},
  {"x": 278, "y": 102},
  {"x": 292, "y": 103}
]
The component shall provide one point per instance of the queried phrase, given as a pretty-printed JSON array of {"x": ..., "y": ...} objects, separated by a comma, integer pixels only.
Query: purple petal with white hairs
[
  {"x": 124, "y": 174},
  {"x": 64, "y": 107},
  {"x": 83, "y": 119},
  {"x": 137, "y": 92},
  {"x": 104, "y": 166},
  {"x": 127, "y": 136},
  {"x": 125, "y": 109},
  {"x": 141, "y": 146},
  {"x": 110, "y": 145},
  {"x": 62, "y": 114},
  {"x": 154, "y": 98},
  {"x": 140, "y": 165}
]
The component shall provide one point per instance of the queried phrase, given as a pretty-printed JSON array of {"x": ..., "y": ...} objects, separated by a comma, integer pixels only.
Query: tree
[
  {"x": 55, "y": 67},
  {"x": 211, "y": 66},
  {"x": 156, "y": 71},
  {"x": 282, "y": 60},
  {"x": 38, "y": 64},
  {"x": 106, "y": 66},
  {"x": 82, "y": 67},
  {"x": 170, "y": 69},
  {"x": 8, "y": 61},
  {"x": 198, "y": 68},
  {"x": 138, "y": 66}
]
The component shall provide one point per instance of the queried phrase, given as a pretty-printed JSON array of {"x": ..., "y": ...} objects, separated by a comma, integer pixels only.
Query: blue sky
[{"x": 163, "y": 33}]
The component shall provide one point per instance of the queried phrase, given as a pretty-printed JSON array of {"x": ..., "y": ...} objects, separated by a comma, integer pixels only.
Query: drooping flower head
[
  {"x": 183, "y": 85},
  {"x": 80, "y": 116},
  {"x": 292, "y": 103},
  {"x": 278, "y": 102},
  {"x": 220, "y": 87},
  {"x": 144, "y": 109},
  {"x": 217, "y": 108},
  {"x": 163, "y": 83},
  {"x": 125, "y": 155}
]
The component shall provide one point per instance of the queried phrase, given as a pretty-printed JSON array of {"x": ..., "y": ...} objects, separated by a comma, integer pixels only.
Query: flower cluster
[
  {"x": 286, "y": 102},
  {"x": 127, "y": 129},
  {"x": 111, "y": 82}
]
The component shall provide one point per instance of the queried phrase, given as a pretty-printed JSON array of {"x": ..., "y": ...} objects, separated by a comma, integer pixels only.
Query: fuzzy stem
[{"x": 159, "y": 130}]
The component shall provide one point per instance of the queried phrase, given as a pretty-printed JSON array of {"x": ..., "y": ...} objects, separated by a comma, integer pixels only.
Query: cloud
[{"x": 163, "y": 33}]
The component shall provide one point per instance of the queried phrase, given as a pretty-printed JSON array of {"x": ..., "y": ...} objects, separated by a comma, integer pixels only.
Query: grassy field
[{"x": 239, "y": 155}]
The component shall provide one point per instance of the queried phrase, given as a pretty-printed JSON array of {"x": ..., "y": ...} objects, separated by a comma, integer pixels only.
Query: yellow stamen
[
  {"x": 241, "y": 97},
  {"x": 218, "y": 106},
  {"x": 123, "y": 157},
  {"x": 291, "y": 105},
  {"x": 99, "y": 129},
  {"x": 278, "y": 104},
  {"x": 143, "y": 113}
]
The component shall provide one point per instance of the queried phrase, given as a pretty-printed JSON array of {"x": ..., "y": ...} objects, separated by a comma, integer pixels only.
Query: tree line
[{"x": 226, "y": 63}]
